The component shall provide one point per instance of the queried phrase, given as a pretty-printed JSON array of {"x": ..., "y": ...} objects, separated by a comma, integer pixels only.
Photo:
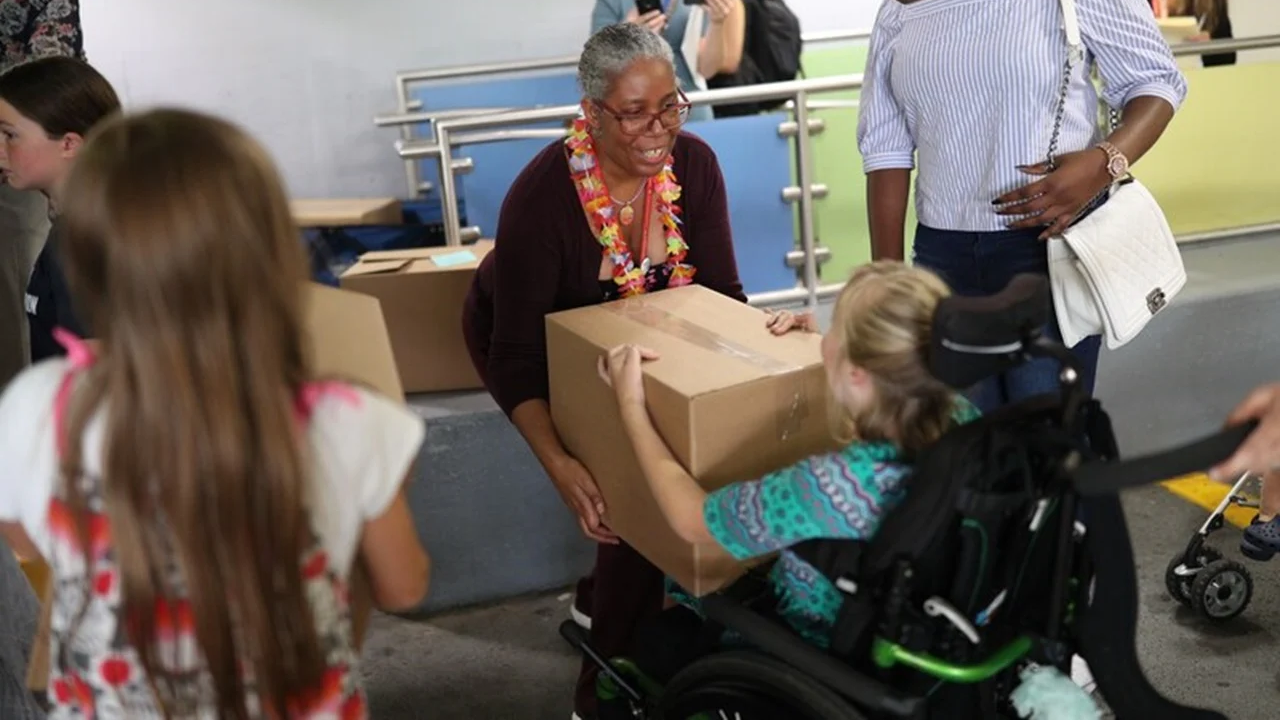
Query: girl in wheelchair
[{"x": 885, "y": 407}]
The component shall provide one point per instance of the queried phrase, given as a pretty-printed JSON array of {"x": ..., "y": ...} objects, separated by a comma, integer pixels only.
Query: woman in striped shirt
[{"x": 966, "y": 93}]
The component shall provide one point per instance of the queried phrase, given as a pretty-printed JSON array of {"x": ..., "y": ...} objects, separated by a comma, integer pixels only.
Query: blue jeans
[{"x": 982, "y": 263}]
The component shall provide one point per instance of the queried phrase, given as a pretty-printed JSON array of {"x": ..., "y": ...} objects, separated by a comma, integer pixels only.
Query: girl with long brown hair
[{"x": 200, "y": 498}]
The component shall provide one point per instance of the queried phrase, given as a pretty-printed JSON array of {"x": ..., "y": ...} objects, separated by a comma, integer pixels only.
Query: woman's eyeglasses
[{"x": 669, "y": 118}]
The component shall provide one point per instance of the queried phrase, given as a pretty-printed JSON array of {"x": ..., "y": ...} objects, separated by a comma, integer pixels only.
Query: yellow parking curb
[{"x": 1204, "y": 492}]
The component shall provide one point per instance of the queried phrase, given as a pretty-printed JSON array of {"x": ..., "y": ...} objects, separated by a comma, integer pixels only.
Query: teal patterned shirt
[{"x": 838, "y": 495}]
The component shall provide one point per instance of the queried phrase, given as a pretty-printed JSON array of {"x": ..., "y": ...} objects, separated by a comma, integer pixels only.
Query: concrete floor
[{"x": 507, "y": 662}]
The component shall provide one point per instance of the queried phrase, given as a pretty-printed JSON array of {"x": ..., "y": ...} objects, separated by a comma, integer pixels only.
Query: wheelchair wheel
[
  {"x": 743, "y": 685},
  {"x": 1222, "y": 590},
  {"x": 1179, "y": 586}
]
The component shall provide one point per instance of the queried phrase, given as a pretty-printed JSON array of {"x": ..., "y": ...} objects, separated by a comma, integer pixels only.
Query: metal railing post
[
  {"x": 406, "y": 133},
  {"x": 804, "y": 168},
  {"x": 448, "y": 188}
]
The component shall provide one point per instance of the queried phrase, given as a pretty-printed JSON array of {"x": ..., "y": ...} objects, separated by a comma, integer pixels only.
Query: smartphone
[{"x": 644, "y": 7}]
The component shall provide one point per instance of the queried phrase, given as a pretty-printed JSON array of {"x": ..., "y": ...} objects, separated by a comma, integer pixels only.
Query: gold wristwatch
[{"x": 1117, "y": 163}]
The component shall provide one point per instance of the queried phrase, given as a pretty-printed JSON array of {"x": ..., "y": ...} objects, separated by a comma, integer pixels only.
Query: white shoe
[
  {"x": 1081, "y": 675},
  {"x": 583, "y": 620}
]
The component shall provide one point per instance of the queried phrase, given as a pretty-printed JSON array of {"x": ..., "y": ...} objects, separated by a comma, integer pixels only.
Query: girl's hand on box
[
  {"x": 781, "y": 322},
  {"x": 620, "y": 369}
]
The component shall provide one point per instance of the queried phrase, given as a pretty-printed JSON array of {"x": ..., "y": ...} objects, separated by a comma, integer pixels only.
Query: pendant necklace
[{"x": 627, "y": 214}]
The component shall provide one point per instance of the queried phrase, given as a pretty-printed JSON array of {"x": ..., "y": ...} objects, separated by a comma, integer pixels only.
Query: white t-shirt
[{"x": 362, "y": 444}]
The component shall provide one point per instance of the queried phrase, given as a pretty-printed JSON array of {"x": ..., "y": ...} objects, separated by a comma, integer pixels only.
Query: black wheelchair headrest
[{"x": 977, "y": 337}]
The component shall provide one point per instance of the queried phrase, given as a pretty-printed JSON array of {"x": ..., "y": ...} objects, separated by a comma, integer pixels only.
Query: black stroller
[{"x": 1010, "y": 549}]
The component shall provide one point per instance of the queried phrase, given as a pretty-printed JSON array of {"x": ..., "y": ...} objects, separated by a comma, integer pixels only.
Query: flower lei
[{"x": 598, "y": 205}]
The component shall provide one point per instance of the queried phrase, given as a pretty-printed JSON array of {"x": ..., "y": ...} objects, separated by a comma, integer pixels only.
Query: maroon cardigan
[{"x": 545, "y": 259}]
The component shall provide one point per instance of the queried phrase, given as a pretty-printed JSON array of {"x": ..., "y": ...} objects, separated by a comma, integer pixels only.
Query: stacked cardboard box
[{"x": 422, "y": 291}]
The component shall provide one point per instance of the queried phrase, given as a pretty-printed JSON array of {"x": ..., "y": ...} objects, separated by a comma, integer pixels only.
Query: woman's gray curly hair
[{"x": 612, "y": 50}]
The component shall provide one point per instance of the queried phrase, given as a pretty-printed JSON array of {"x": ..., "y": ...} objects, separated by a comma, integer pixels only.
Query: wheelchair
[{"x": 1010, "y": 551}]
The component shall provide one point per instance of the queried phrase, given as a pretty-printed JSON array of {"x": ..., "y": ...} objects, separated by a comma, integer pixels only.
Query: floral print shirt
[
  {"x": 97, "y": 673},
  {"x": 31, "y": 29}
]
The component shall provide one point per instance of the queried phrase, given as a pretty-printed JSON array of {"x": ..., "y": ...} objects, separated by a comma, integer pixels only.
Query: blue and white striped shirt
[{"x": 970, "y": 88}]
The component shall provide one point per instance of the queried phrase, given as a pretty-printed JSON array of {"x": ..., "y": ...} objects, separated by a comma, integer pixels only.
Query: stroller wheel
[
  {"x": 1179, "y": 586},
  {"x": 1222, "y": 590}
]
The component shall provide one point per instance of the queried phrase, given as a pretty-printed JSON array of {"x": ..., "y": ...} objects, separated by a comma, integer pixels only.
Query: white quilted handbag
[{"x": 1114, "y": 270}]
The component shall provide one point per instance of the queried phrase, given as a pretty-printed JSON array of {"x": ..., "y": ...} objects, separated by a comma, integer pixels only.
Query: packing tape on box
[{"x": 792, "y": 401}]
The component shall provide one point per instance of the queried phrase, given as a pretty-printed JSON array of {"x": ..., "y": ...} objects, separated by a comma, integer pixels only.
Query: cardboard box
[
  {"x": 349, "y": 340},
  {"x": 732, "y": 401},
  {"x": 345, "y": 212},
  {"x": 422, "y": 291}
]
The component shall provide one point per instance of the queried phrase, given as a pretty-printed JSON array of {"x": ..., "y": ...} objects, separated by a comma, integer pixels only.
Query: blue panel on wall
[
  {"x": 496, "y": 167},
  {"x": 519, "y": 91},
  {"x": 756, "y": 163},
  {"x": 560, "y": 88}
]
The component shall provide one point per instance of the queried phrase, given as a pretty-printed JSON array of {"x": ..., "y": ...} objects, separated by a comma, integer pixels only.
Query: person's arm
[
  {"x": 18, "y": 540},
  {"x": 707, "y": 228},
  {"x": 528, "y": 257},
  {"x": 738, "y": 517},
  {"x": 397, "y": 565},
  {"x": 885, "y": 141},
  {"x": 1260, "y": 453},
  {"x": 677, "y": 494},
  {"x": 28, "y": 458},
  {"x": 380, "y": 441},
  {"x": 1141, "y": 77},
  {"x": 57, "y": 31},
  {"x": 887, "y": 195},
  {"x": 537, "y": 219},
  {"x": 1139, "y": 73},
  {"x": 606, "y": 13},
  {"x": 720, "y": 51}
]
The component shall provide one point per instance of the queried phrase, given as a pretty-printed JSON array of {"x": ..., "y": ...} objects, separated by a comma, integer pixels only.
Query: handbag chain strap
[{"x": 1075, "y": 54}]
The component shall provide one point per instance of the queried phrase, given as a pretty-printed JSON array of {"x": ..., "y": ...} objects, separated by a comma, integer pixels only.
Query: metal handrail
[
  {"x": 718, "y": 96},
  {"x": 406, "y": 77},
  {"x": 1213, "y": 47},
  {"x": 405, "y": 119},
  {"x": 451, "y": 132},
  {"x": 423, "y": 148},
  {"x": 431, "y": 116},
  {"x": 416, "y": 118}
]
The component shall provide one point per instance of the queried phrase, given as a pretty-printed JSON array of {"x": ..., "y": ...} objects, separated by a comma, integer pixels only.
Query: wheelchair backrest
[{"x": 979, "y": 514}]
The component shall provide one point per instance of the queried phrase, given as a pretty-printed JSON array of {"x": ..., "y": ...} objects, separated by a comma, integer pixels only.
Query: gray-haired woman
[{"x": 627, "y": 204}]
